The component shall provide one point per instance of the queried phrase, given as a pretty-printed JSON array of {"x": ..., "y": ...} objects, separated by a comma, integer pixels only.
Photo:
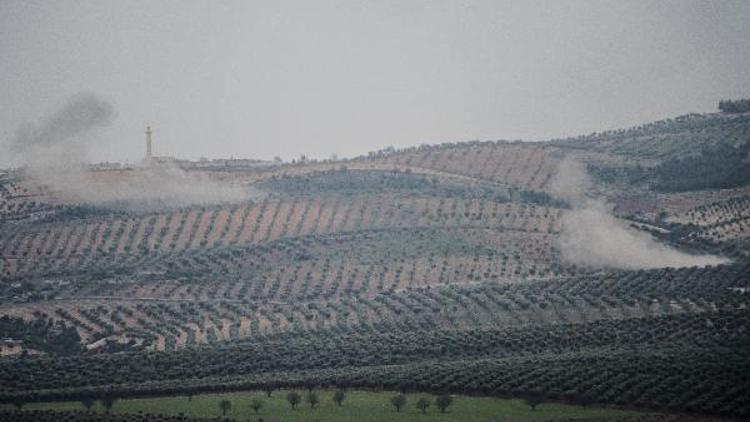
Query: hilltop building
[
  {"x": 149, "y": 156},
  {"x": 150, "y": 160}
]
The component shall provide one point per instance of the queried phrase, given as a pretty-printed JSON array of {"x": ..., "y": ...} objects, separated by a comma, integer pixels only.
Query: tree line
[{"x": 735, "y": 106}]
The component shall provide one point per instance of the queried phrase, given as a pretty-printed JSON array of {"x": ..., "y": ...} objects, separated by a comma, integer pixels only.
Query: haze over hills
[
  {"x": 375, "y": 211},
  {"x": 608, "y": 268}
]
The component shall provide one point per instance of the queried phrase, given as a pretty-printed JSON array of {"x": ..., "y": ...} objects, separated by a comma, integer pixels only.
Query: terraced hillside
[
  {"x": 517, "y": 165},
  {"x": 436, "y": 268}
]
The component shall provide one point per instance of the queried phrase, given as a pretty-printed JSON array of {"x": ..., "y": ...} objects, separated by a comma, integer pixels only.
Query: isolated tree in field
[
  {"x": 88, "y": 403},
  {"x": 422, "y": 404},
  {"x": 256, "y": 404},
  {"x": 293, "y": 398},
  {"x": 398, "y": 401},
  {"x": 107, "y": 403},
  {"x": 312, "y": 399},
  {"x": 533, "y": 399},
  {"x": 268, "y": 389},
  {"x": 443, "y": 402},
  {"x": 339, "y": 396},
  {"x": 225, "y": 405}
]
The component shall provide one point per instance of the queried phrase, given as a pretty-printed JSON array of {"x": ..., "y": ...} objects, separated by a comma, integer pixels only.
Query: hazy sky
[{"x": 265, "y": 78}]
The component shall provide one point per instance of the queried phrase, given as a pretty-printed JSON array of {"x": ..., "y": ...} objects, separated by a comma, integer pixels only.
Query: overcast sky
[{"x": 265, "y": 78}]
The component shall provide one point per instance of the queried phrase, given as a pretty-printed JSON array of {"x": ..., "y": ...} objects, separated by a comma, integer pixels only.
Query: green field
[{"x": 358, "y": 406}]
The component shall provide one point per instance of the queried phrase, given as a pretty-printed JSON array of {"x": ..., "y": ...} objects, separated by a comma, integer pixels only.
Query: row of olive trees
[
  {"x": 293, "y": 398},
  {"x": 312, "y": 399},
  {"x": 442, "y": 402},
  {"x": 107, "y": 402}
]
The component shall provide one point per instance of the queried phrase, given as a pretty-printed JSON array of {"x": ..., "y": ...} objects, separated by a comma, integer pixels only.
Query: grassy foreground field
[{"x": 358, "y": 406}]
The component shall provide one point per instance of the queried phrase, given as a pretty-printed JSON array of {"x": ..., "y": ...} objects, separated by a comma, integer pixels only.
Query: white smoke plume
[
  {"x": 592, "y": 237},
  {"x": 54, "y": 152}
]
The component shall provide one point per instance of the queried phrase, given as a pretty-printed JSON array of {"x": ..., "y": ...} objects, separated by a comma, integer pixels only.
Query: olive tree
[
  {"x": 339, "y": 396},
  {"x": 293, "y": 398},
  {"x": 312, "y": 399},
  {"x": 443, "y": 401},
  {"x": 422, "y": 404},
  {"x": 256, "y": 404},
  {"x": 398, "y": 401},
  {"x": 225, "y": 405}
]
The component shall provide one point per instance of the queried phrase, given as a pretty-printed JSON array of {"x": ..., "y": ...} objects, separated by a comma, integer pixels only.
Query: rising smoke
[
  {"x": 593, "y": 237},
  {"x": 54, "y": 152}
]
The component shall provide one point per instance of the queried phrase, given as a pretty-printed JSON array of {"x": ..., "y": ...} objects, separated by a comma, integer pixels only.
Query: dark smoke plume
[{"x": 55, "y": 151}]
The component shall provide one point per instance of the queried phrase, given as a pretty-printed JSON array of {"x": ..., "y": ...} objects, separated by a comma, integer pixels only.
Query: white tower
[{"x": 148, "y": 144}]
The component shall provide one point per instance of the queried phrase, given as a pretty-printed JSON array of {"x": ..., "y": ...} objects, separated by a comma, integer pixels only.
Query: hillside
[{"x": 443, "y": 268}]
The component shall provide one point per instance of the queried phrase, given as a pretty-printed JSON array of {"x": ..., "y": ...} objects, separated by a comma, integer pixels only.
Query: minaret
[{"x": 148, "y": 145}]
